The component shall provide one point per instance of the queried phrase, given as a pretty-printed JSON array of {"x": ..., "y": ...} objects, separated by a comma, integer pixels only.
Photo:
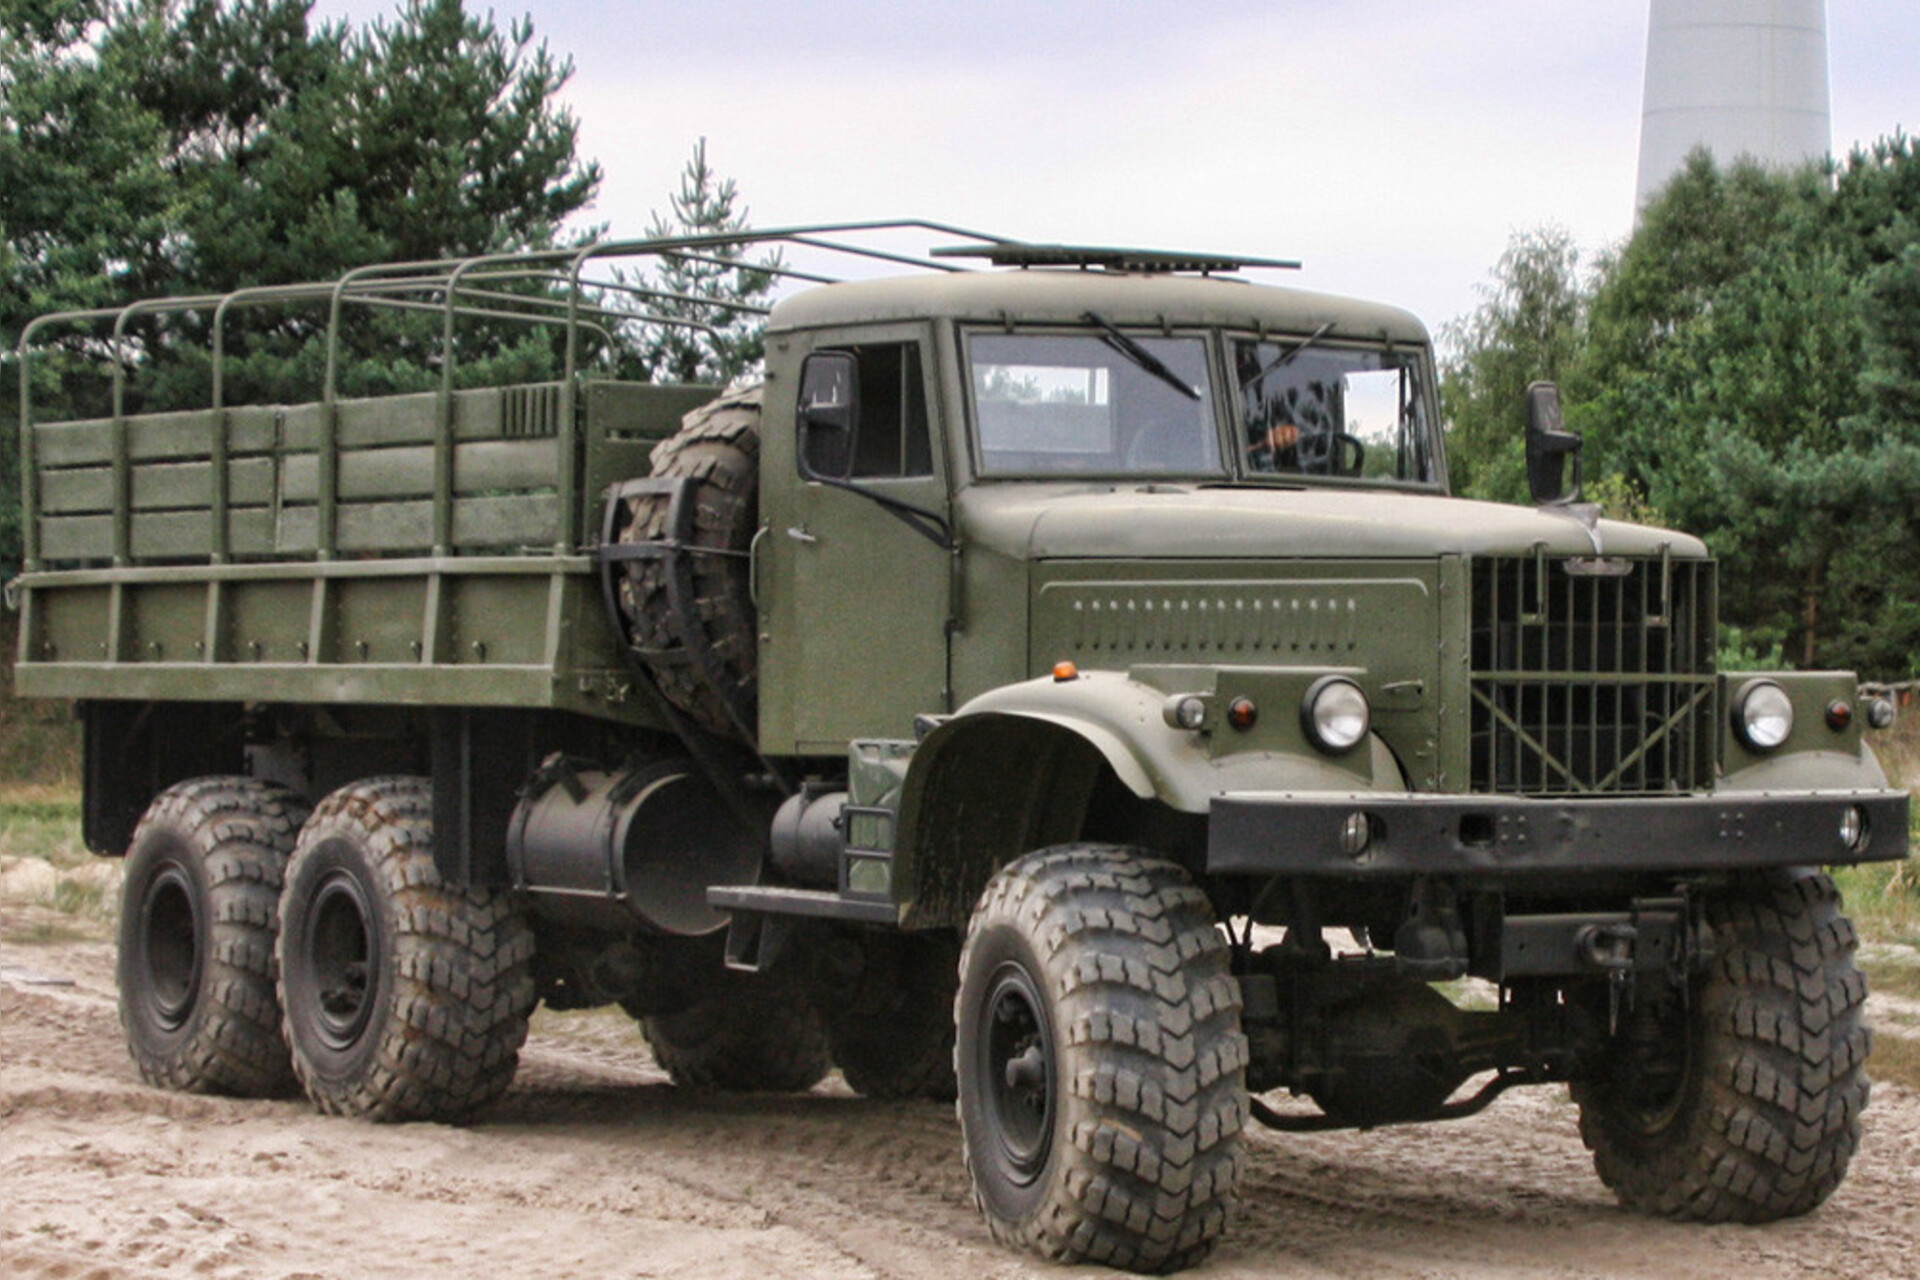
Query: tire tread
[
  {"x": 242, "y": 831},
  {"x": 1142, "y": 976},
  {"x": 462, "y": 969},
  {"x": 1784, "y": 1081}
]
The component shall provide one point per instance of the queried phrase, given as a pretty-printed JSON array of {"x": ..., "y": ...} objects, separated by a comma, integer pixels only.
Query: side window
[{"x": 890, "y": 433}]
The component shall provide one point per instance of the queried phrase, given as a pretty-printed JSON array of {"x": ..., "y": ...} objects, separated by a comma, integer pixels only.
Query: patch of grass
[
  {"x": 52, "y": 889},
  {"x": 39, "y": 821},
  {"x": 1895, "y": 1060},
  {"x": 1899, "y": 749},
  {"x": 1883, "y": 899},
  {"x": 1895, "y": 975}
]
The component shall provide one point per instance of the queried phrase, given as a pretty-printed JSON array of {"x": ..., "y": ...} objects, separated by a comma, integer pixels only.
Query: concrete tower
[{"x": 1740, "y": 77}]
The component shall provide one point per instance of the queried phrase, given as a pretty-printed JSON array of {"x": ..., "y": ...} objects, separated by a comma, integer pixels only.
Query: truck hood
[{"x": 1166, "y": 522}]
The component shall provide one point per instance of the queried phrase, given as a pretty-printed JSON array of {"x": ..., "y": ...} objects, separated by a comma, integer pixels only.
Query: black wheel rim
[
  {"x": 340, "y": 933},
  {"x": 170, "y": 946},
  {"x": 1017, "y": 1068},
  {"x": 1655, "y": 1073}
]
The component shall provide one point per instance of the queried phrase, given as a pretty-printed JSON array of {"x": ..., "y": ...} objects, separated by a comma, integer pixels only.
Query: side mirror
[
  {"x": 1549, "y": 445},
  {"x": 829, "y": 412}
]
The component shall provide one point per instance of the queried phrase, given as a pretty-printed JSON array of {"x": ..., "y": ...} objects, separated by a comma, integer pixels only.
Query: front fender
[
  {"x": 1119, "y": 716},
  {"x": 1017, "y": 768}
]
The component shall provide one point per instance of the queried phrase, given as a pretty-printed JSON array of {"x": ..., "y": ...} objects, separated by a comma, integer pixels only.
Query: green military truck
[{"x": 1063, "y": 684}]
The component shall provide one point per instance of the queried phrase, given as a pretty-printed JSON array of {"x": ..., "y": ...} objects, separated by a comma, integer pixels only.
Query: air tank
[{"x": 1739, "y": 77}]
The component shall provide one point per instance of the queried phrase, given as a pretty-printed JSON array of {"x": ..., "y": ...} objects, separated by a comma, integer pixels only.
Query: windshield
[
  {"x": 1309, "y": 410},
  {"x": 1093, "y": 404}
]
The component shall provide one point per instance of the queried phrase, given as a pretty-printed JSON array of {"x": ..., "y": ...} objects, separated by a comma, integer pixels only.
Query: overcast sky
[{"x": 1392, "y": 145}]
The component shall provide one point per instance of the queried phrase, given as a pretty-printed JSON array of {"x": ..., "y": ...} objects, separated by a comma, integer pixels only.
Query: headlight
[
  {"x": 1762, "y": 715},
  {"x": 1335, "y": 714}
]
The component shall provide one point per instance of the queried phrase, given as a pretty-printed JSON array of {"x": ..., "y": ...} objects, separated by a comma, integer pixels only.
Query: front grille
[{"x": 1593, "y": 676}]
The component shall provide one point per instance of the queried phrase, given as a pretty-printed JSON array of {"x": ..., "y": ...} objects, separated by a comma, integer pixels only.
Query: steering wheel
[{"x": 1326, "y": 453}]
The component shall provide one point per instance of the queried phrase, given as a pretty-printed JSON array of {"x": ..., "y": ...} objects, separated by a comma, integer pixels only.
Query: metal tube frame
[{"x": 452, "y": 281}]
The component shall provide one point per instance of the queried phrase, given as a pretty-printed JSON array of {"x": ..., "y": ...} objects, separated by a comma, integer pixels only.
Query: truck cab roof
[{"x": 1045, "y": 295}]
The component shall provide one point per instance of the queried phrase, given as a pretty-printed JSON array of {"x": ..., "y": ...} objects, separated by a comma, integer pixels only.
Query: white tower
[{"x": 1739, "y": 77}]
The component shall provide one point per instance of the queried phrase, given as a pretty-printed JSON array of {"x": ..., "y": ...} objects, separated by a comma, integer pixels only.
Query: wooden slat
[
  {"x": 479, "y": 414},
  {"x": 482, "y": 467},
  {"x": 387, "y": 420},
  {"x": 167, "y": 535},
  {"x": 515, "y": 520},
  {"x": 381, "y": 421},
  {"x": 157, "y": 437},
  {"x": 156, "y": 487},
  {"x": 76, "y": 538},
  {"x": 76, "y": 489}
]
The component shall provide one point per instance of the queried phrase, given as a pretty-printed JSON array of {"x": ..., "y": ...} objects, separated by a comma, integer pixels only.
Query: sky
[{"x": 1392, "y": 146}]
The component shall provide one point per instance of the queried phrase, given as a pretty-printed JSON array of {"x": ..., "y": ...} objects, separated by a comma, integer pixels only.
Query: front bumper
[{"x": 1277, "y": 833}]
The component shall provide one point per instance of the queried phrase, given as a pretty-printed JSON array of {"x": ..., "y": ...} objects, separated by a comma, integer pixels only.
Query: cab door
[{"x": 857, "y": 561}]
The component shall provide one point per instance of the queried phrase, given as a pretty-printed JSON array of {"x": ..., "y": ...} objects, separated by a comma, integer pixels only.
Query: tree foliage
[
  {"x": 1527, "y": 328},
  {"x": 183, "y": 147},
  {"x": 165, "y": 146},
  {"x": 712, "y": 333},
  {"x": 1747, "y": 364}
]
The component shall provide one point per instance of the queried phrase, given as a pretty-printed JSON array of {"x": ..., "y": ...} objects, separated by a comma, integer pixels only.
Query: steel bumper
[{"x": 1400, "y": 833}]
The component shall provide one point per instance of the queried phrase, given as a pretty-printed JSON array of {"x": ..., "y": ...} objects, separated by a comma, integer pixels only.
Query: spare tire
[{"x": 700, "y": 648}]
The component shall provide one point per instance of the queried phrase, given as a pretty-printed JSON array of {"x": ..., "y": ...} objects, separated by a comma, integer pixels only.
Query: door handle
[
  {"x": 799, "y": 534},
  {"x": 753, "y": 565}
]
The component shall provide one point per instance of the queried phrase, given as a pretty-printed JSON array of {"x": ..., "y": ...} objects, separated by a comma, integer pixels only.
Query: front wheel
[
  {"x": 1100, "y": 1060},
  {"x": 405, "y": 998},
  {"x": 1741, "y": 1103}
]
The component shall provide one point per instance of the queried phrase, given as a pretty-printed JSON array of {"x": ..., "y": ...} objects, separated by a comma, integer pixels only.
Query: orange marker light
[
  {"x": 1064, "y": 671},
  {"x": 1241, "y": 713}
]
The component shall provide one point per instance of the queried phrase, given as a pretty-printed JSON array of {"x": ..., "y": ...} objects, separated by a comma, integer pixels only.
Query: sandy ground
[{"x": 594, "y": 1166}]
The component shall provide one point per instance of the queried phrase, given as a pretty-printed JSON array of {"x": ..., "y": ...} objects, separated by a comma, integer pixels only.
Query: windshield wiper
[
  {"x": 1286, "y": 357},
  {"x": 1140, "y": 355}
]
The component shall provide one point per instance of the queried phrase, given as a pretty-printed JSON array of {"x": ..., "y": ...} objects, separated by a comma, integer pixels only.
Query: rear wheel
[
  {"x": 1741, "y": 1103},
  {"x": 197, "y": 928},
  {"x": 1100, "y": 1060},
  {"x": 404, "y": 998},
  {"x": 893, "y": 1038},
  {"x": 751, "y": 1033}
]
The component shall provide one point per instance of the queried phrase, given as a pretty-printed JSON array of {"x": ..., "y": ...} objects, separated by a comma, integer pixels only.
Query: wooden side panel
[{"x": 509, "y": 522}]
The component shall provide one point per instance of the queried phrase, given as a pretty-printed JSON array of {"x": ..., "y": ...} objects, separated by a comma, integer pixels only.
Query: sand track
[{"x": 594, "y": 1166}]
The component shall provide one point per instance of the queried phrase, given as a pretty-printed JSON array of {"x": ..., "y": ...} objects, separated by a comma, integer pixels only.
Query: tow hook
[{"x": 1607, "y": 947}]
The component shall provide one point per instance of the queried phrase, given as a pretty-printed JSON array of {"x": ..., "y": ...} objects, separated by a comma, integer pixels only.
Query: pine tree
[
  {"x": 196, "y": 146},
  {"x": 717, "y": 288}
]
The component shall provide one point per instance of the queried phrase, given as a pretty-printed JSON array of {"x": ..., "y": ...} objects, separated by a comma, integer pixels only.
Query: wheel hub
[
  {"x": 339, "y": 959},
  {"x": 170, "y": 930},
  {"x": 1018, "y": 1070}
]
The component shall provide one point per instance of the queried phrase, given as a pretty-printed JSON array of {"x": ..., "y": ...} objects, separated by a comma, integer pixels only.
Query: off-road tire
[
  {"x": 404, "y": 998},
  {"x": 197, "y": 929},
  {"x": 1765, "y": 1112},
  {"x": 754, "y": 1033},
  {"x": 1100, "y": 1060},
  {"x": 894, "y": 1039},
  {"x": 718, "y": 447}
]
